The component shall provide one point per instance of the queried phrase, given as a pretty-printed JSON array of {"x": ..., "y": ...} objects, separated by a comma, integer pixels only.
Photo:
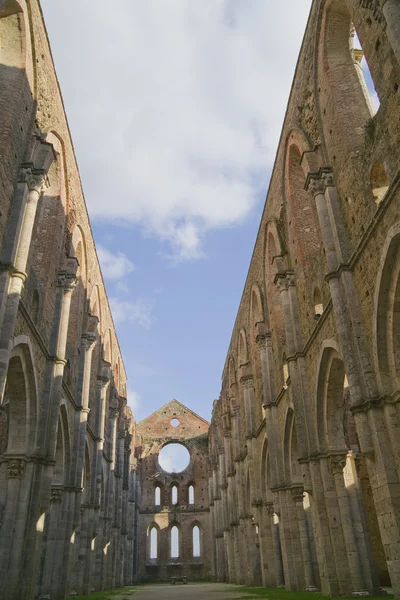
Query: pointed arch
[
  {"x": 290, "y": 451},
  {"x": 242, "y": 352},
  {"x": 174, "y": 537},
  {"x": 386, "y": 324},
  {"x": 330, "y": 409},
  {"x": 63, "y": 447},
  {"x": 153, "y": 535},
  {"x": 196, "y": 540},
  {"x": 20, "y": 400},
  {"x": 341, "y": 78},
  {"x": 303, "y": 232}
]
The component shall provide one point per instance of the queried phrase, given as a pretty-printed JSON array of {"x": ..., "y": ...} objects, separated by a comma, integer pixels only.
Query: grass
[
  {"x": 282, "y": 594},
  {"x": 107, "y": 594}
]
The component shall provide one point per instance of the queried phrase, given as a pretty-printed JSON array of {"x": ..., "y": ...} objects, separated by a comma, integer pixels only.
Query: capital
[
  {"x": 56, "y": 494},
  {"x": 337, "y": 463},
  {"x": 35, "y": 179},
  {"x": 66, "y": 280},
  {"x": 317, "y": 182},
  {"x": 270, "y": 509},
  {"x": 15, "y": 468},
  {"x": 281, "y": 282},
  {"x": 88, "y": 339},
  {"x": 298, "y": 494},
  {"x": 113, "y": 412},
  {"x": 235, "y": 411},
  {"x": 247, "y": 381}
]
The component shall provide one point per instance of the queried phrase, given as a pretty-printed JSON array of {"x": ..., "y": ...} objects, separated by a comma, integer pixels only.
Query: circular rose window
[
  {"x": 174, "y": 458},
  {"x": 174, "y": 422}
]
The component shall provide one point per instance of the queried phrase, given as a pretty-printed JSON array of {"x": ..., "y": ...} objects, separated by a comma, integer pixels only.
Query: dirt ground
[{"x": 191, "y": 591}]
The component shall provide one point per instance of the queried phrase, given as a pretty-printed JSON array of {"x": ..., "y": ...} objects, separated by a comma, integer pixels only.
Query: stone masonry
[
  {"x": 296, "y": 482},
  {"x": 159, "y": 510},
  {"x": 305, "y": 438},
  {"x": 68, "y": 509}
]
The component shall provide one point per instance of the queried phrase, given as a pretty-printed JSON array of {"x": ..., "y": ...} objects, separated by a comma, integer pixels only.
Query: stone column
[
  {"x": 264, "y": 341},
  {"x": 31, "y": 184},
  {"x": 336, "y": 466},
  {"x": 298, "y": 495},
  {"x": 12, "y": 536},
  {"x": 54, "y": 547},
  {"x": 276, "y": 545},
  {"x": 78, "y": 457},
  {"x": 268, "y": 567}
]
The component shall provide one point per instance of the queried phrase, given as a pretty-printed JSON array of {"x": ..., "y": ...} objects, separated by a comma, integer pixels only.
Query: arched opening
[
  {"x": 153, "y": 554},
  {"x": 285, "y": 371},
  {"x": 62, "y": 450},
  {"x": 379, "y": 181},
  {"x": 387, "y": 318},
  {"x": 338, "y": 436},
  {"x": 77, "y": 309},
  {"x": 16, "y": 90},
  {"x": 18, "y": 411},
  {"x": 86, "y": 478},
  {"x": 191, "y": 494},
  {"x": 292, "y": 467},
  {"x": 196, "y": 541},
  {"x": 242, "y": 349},
  {"x": 363, "y": 71},
  {"x": 157, "y": 495},
  {"x": 318, "y": 305},
  {"x": 342, "y": 77},
  {"x": 274, "y": 263},
  {"x": 174, "y": 549},
  {"x": 174, "y": 495},
  {"x": 304, "y": 233}
]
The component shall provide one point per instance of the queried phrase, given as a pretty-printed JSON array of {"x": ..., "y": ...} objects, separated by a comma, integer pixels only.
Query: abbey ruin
[{"x": 296, "y": 481}]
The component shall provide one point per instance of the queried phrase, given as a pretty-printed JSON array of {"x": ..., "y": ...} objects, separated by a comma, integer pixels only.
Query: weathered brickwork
[
  {"x": 159, "y": 510},
  {"x": 68, "y": 500},
  {"x": 305, "y": 438}
]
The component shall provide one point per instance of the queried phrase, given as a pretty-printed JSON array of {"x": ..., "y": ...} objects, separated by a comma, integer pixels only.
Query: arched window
[
  {"x": 196, "y": 541},
  {"x": 318, "y": 306},
  {"x": 379, "y": 181},
  {"x": 157, "y": 496},
  {"x": 174, "y": 542},
  {"x": 153, "y": 542},
  {"x": 191, "y": 494},
  {"x": 285, "y": 370},
  {"x": 367, "y": 83},
  {"x": 174, "y": 494}
]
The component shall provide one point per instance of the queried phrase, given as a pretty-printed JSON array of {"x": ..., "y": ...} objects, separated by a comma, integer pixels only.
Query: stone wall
[
  {"x": 159, "y": 511},
  {"x": 304, "y": 440},
  {"x": 68, "y": 504}
]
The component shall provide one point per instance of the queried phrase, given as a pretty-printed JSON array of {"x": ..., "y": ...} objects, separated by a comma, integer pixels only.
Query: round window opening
[
  {"x": 174, "y": 458},
  {"x": 174, "y": 422}
]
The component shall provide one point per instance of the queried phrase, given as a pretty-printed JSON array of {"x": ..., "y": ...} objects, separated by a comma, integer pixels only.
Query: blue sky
[{"x": 175, "y": 109}]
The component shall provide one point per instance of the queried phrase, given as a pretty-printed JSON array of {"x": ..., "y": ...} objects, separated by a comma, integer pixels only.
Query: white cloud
[
  {"x": 175, "y": 106},
  {"x": 138, "y": 312},
  {"x": 114, "y": 266},
  {"x": 134, "y": 400}
]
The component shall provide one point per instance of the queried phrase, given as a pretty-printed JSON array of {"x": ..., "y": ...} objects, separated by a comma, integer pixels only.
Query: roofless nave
[{"x": 296, "y": 481}]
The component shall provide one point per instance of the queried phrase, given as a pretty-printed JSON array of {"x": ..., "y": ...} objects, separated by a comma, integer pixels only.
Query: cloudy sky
[{"x": 175, "y": 108}]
